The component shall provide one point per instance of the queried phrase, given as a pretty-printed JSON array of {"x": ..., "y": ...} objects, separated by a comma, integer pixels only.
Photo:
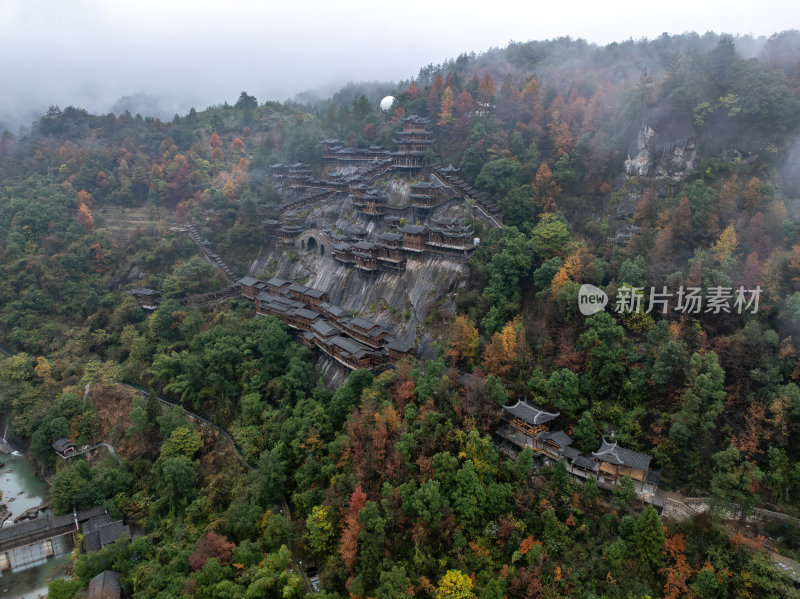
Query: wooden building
[
  {"x": 614, "y": 462},
  {"x": 424, "y": 195},
  {"x": 149, "y": 299},
  {"x": 366, "y": 256},
  {"x": 64, "y": 447},
  {"x": 398, "y": 350},
  {"x": 552, "y": 443},
  {"x": 276, "y": 285},
  {"x": 412, "y": 140},
  {"x": 314, "y": 297},
  {"x": 414, "y": 237},
  {"x": 343, "y": 252},
  {"x": 365, "y": 331},
  {"x": 334, "y": 312},
  {"x": 302, "y": 318},
  {"x": 391, "y": 256},
  {"x": 523, "y": 421},
  {"x": 247, "y": 287},
  {"x": 288, "y": 234}
]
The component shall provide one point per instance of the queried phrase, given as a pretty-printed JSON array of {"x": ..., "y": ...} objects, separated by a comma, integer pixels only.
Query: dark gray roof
[
  {"x": 95, "y": 523},
  {"x": 62, "y": 444},
  {"x": 92, "y": 542},
  {"x": 570, "y": 452},
  {"x": 351, "y": 346},
  {"x": 560, "y": 438},
  {"x": 413, "y": 229},
  {"x": 306, "y": 313},
  {"x": 530, "y": 413},
  {"x": 652, "y": 477},
  {"x": 142, "y": 291},
  {"x": 277, "y": 282},
  {"x": 92, "y": 512},
  {"x": 325, "y": 328},
  {"x": 399, "y": 346},
  {"x": 248, "y": 281},
  {"x": 105, "y": 586},
  {"x": 584, "y": 462},
  {"x": 390, "y": 237},
  {"x": 614, "y": 454},
  {"x": 111, "y": 532},
  {"x": 32, "y": 526},
  {"x": 298, "y": 288},
  {"x": 276, "y": 299},
  {"x": 335, "y": 310},
  {"x": 363, "y": 324},
  {"x": 315, "y": 293}
]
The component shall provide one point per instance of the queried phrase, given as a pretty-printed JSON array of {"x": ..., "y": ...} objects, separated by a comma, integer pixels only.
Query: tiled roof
[
  {"x": 585, "y": 462},
  {"x": 324, "y": 328},
  {"x": 530, "y": 413},
  {"x": 335, "y": 310},
  {"x": 363, "y": 324},
  {"x": 305, "y": 313},
  {"x": 560, "y": 438},
  {"x": 248, "y": 281},
  {"x": 105, "y": 586},
  {"x": 95, "y": 523},
  {"x": 277, "y": 282},
  {"x": 614, "y": 454}
]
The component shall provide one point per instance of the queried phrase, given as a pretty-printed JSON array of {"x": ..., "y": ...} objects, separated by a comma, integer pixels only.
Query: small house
[{"x": 64, "y": 447}]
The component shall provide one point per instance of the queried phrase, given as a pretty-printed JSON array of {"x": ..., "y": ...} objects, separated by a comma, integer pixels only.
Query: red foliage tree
[
  {"x": 214, "y": 141},
  {"x": 211, "y": 545},
  {"x": 678, "y": 571},
  {"x": 85, "y": 216},
  {"x": 348, "y": 547}
]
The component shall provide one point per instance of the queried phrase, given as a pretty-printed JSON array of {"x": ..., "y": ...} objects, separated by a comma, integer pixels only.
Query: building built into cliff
[
  {"x": 354, "y": 342},
  {"x": 526, "y": 425}
]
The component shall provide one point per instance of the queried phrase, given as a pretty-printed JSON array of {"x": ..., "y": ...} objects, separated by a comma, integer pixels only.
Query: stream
[{"x": 22, "y": 491}]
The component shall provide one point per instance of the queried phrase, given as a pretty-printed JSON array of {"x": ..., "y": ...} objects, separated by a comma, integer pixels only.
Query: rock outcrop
[{"x": 663, "y": 148}]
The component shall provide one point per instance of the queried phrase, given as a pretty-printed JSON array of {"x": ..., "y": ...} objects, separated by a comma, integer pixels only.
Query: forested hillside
[{"x": 659, "y": 165}]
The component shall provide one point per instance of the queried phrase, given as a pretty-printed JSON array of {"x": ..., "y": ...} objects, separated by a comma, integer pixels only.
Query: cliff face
[
  {"x": 399, "y": 302},
  {"x": 662, "y": 153}
]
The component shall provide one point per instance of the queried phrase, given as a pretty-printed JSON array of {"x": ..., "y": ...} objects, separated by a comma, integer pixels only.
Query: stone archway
[{"x": 311, "y": 244}]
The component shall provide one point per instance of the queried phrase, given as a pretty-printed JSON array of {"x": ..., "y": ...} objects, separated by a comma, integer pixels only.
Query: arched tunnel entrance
[{"x": 312, "y": 245}]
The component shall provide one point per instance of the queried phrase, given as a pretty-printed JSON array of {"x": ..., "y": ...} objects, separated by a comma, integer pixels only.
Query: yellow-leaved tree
[
  {"x": 455, "y": 585},
  {"x": 463, "y": 346}
]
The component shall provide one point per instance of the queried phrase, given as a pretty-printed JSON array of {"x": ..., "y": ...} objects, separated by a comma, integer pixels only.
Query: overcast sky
[{"x": 197, "y": 53}]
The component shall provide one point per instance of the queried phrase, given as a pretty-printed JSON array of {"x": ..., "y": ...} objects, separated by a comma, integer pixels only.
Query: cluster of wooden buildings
[
  {"x": 412, "y": 142},
  {"x": 445, "y": 238},
  {"x": 527, "y": 425},
  {"x": 352, "y": 341}
]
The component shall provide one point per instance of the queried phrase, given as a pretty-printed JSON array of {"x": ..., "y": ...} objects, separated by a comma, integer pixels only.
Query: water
[{"x": 22, "y": 491}]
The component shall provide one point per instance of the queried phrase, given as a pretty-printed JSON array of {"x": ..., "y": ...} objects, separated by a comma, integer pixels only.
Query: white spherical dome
[{"x": 386, "y": 103}]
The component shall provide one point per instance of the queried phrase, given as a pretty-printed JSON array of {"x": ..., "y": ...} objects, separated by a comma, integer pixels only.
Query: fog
[{"x": 168, "y": 56}]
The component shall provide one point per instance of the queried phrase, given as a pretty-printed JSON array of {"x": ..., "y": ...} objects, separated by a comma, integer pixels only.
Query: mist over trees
[{"x": 663, "y": 163}]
